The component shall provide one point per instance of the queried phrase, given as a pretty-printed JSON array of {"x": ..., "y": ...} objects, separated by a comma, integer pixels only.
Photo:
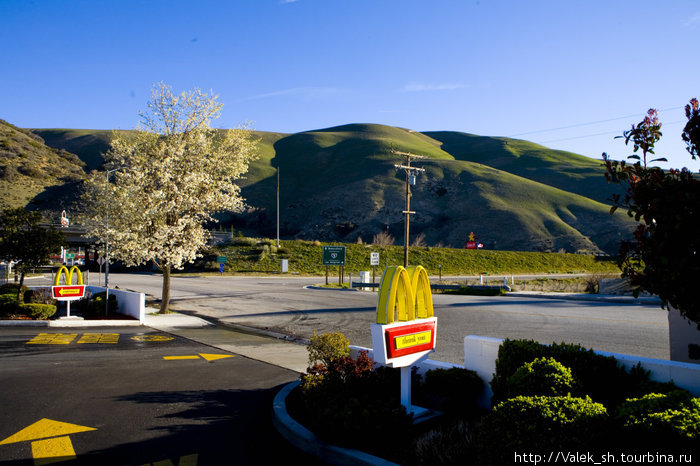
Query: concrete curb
[
  {"x": 314, "y": 287},
  {"x": 588, "y": 297},
  {"x": 70, "y": 323},
  {"x": 305, "y": 440}
]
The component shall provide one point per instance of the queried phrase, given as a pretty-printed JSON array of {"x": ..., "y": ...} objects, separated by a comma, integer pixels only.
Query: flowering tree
[
  {"x": 664, "y": 257},
  {"x": 169, "y": 177}
]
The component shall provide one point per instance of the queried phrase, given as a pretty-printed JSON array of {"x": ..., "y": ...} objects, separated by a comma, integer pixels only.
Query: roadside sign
[
  {"x": 374, "y": 258},
  {"x": 68, "y": 292},
  {"x": 333, "y": 255},
  {"x": 70, "y": 255},
  {"x": 221, "y": 259},
  {"x": 221, "y": 267}
]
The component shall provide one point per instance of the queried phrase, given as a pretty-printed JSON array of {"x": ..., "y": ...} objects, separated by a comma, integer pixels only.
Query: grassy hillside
[
  {"x": 340, "y": 184},
  {"x": 563, "y": 170},
  {"x": 32, "y": 174}
]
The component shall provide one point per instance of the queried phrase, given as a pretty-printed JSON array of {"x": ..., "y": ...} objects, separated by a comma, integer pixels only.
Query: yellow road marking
[
  {"x": 52, "y": 339},
  {"x": 99, "y": 338},
  {"x": 205, "y": 356},
  {"x": 214, "y": 357},
  {"x": 45, "y": 428},
  {"x": 151, "y": 338},
  {"x": 52, "y": 450}
]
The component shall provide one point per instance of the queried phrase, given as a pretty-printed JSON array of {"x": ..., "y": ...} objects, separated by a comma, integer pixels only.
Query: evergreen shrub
[
  {"x": 670, "y": 421},
  {"x": 543, "y": 376},
  {"x": 38, "y": 311},
  {"x": 600, "y": 377},
  {"x": 453, "y": 391},
  {"x": 540, "y": 424}
]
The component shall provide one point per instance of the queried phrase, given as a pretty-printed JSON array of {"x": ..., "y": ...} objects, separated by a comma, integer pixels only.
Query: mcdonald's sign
[
  {"x": 406, "y": 329},
  {"x": 68, "y": 292}
]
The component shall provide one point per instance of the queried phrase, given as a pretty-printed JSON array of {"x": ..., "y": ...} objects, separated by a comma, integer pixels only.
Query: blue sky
[{"x": 567, "y": 74}]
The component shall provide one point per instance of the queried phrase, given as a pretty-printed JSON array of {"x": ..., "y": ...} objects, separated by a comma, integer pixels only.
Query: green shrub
[
  {"x": 600, "y": 377},
  {"x": 94, "y": 305},
  {"x": 540, "y": 424},
  {"x": 453, "y": 391},
  {"x": 543, "y": 377},
  {"x": 39, "y": 296},
  {"x": 327, "y": 347},
  {"x": 8, "y": 304},
  {"x": 343, "y": 400},
  {"x": 661, "y": 420},
  {"x": 38, "y": 311},
  {"x": 11, "y": 288},
  {"x": 242, "y": 241}
]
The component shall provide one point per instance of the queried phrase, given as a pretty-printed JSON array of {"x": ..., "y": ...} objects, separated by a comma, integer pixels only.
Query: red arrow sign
[{"x": 68, "y": 292}]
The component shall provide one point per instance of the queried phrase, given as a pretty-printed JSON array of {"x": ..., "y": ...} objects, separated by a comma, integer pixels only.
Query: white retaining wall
[
  {"x": 129, "y": 303},
  {"x": 480, "y": 354}
]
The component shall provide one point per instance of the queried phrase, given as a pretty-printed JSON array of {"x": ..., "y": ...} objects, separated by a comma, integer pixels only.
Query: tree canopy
[
  {"x": 25, "y": 242},
  {"x": 168, "y": 177},
  {"x": 664, "y": 256}
]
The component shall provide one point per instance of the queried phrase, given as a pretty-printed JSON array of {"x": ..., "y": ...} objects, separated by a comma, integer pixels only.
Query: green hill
[
  {"x": 33, "y": 174},
  {"x": 341, "y": 184}
]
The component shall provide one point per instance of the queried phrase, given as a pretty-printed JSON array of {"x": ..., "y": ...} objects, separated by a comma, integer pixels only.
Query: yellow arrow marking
[
  {"x": 214, "y": 357},
  {"x": 52, "y": 450},
  {"x": 69, "y": 291},
  {"x": 208, "y": 357},
  {"x": 45, "y": 428}
]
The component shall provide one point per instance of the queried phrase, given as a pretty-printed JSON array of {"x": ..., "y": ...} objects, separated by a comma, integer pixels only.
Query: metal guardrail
[{"x": 435, "y": 286}]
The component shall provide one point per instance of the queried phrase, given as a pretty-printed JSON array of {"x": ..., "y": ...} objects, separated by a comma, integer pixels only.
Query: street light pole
[
  {"x": 278, "y": 206},
  {"x": 107, "y": 250}
]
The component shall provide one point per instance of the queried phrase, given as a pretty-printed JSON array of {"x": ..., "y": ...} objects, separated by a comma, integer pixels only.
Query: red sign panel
[
  {"x": 410, "y": 339},
  {"x": 67, "y": 292}
]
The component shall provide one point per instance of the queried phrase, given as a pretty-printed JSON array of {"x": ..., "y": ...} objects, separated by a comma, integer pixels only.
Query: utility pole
[{"x": 410, "y": 179}]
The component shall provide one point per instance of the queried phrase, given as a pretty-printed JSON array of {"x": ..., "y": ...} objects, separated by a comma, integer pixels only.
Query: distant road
[{"x": 283, "y": 305}]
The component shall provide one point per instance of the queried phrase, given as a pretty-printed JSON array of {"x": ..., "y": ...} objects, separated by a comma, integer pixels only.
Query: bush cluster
[
  {"x": 94, "y": 305},
  {"x": 540, "y": 423},
  {"x": 600, "y": 377},
  {"x": 627, "y": 410},
  {"x": 35, "y": 304}
]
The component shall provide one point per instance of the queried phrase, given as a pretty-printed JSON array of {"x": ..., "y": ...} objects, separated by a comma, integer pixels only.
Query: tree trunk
[
  {"x": 20, "y": 298},
  {"x": 165, "y": 295}
]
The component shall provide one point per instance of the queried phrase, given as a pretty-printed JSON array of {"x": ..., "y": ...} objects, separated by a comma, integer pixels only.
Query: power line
[
  {"x": 589, "y": 123},
  {"x": 600, "y": 134}
]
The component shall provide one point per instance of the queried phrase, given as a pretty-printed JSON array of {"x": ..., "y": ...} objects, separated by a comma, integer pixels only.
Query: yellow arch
[
  {"x": 420, "y": 285},
  {"x": 69, "y": 275},
  {"x": 395, "y": 296},
  {"x": 404, "y": 294}
]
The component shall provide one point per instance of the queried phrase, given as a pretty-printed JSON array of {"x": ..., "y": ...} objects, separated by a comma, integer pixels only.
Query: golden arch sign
[
  {"x": 68, "y": 292},
  {"x": 406, "y": 329}
]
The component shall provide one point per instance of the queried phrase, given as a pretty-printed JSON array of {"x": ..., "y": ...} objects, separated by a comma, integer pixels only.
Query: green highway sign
[
  {"x": 70, "y": 255},
  {"x": 221, "y": 259},
  {"x": 333, "y": 255}
]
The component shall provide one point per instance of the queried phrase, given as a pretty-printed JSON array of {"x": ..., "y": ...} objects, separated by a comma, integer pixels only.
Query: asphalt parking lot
[{"x": 132, "y": 395}]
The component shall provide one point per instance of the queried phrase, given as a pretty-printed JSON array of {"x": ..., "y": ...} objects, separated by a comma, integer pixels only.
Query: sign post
[
  {"x": 221, "y": 260},
  {"x": 68, "y": 292},
  {"x": 374, "y": 262},
  {"x": 406, "y": 330},
  {"x": 334, "y": 255}
]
